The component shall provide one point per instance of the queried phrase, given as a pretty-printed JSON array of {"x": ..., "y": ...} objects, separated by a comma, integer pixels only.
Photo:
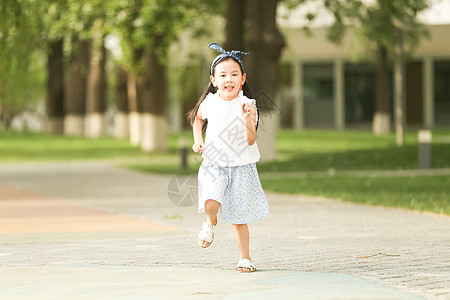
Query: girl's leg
[
  {"x": 211, "y": 209},
  {"x": 243, "y": 241}
]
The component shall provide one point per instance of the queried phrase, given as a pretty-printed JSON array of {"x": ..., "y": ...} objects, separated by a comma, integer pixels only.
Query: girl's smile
[{"x": 228, "y": 79}]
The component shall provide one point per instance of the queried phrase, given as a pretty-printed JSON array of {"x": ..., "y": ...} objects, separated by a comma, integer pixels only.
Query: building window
[
  {"x": 359, "y": 94},
  {"x": 318, "y": 82},
  {"x": 318, "y": 95},
  {"x": 442, "y": 93}
]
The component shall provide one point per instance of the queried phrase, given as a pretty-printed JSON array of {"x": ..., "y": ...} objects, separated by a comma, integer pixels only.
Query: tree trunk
[
  {"x": 134, "y": 111},
  {"x": 234, "y": 27},
  {"x": 154, "y": 99},
  {"x": 134, "y": 88},
  {"x": 265, "y": 43},
  {"x": 121, "y": 117},
  {"x": 382, "y": 119},
  {"x": 6, "y": 117},
  {"x": 96, "y": 86},
  {"x": 399, "y": 75},
  {"x": 76, "y": 85},
  {"x": 55, "y": 88}
]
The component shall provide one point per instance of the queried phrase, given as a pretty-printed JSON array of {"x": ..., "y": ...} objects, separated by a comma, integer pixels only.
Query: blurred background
[
  {"x": 340, "y": 85},
  {"x": 93, "y": 68}
]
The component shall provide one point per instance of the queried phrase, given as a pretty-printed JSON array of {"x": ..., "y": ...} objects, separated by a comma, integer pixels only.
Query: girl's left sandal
[{"x": 245, "y": 265}]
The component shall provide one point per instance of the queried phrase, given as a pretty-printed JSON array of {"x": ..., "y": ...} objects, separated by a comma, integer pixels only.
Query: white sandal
[
  {"x": 245, "y": 263},
  {"x": 206, "y": 234}
]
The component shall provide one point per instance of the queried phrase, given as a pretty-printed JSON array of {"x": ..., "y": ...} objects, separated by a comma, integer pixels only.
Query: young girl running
[{"x": 227, "y": 178}]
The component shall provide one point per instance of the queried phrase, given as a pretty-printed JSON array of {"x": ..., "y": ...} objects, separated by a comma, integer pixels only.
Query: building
[
  {"x": 323, "y": 88},
  {"x": 320, "y": 85}
]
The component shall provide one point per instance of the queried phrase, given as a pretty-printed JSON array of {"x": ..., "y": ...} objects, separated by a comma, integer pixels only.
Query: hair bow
[{"x": 235, "y": 54}]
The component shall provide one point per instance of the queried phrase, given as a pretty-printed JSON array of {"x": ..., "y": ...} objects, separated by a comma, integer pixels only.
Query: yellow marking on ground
[{"x": 23, "y": 212}]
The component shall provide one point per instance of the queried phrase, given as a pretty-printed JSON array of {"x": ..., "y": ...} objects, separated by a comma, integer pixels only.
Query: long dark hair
[{"x": 211, "y": 89}]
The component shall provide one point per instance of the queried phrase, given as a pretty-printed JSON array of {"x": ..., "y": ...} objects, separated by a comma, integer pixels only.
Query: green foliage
[
  {"x": 27, "y": 25},
  {"x": 155, "y": 24},
  {"x": 375, "y": 24},
  {"x": 76, "y": 17},
  {"x": 292, "y": 4},
  {"x": 20, "y": 36}
]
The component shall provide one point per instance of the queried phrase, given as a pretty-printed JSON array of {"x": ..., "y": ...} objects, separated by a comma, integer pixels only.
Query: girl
[{"x": 227, "y": 177}]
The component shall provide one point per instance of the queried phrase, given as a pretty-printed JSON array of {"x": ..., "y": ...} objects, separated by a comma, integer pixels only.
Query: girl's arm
[
  {"x": 249, "y": 117},
  {"x": 197, "y": 131}
]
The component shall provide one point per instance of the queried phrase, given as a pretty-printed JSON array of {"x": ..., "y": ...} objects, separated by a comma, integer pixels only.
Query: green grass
[
  {"x": 323, "y": 151},
  {"x": 424, "y": 193},
  {"x": 26, "y": 146},
  {"x": 332, "y": 151},
  {"x": 352, "y": 150}
]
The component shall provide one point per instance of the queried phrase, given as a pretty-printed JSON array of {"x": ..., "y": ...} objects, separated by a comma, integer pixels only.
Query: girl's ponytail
[
  {"x": 247, "y": 90},
  {"x": 193, "y": 112}
]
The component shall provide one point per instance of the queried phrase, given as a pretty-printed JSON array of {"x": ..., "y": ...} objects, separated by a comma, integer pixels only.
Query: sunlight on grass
[
  {"x": 17, "y": 146},
  {"x": 424, "y": 193},
  {"x": 351, "y": 150}
]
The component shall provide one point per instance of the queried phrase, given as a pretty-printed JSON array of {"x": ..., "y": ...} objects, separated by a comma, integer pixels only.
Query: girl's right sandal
[
  {"x": 245, "y": 265},
  {"x": 206, "y": 234}
]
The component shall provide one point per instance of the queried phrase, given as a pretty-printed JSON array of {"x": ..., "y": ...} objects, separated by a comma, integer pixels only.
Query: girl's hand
[
  {"x": 248, "y": 111},
  {"x": 198, "y": 147}
]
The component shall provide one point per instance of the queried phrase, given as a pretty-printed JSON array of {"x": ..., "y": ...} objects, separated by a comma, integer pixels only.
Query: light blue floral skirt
[{"x": 237, "y": 189}]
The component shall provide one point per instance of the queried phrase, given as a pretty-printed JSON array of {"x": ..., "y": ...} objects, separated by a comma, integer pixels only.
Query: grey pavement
[{"x": 131, "y": 241}]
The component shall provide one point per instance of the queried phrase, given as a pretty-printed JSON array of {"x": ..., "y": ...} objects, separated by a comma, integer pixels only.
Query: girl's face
[{"x": 228, "y": 79}]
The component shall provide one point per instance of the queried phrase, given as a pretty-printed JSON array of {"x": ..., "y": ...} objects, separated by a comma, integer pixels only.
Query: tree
[
  {"x": 99, "y": 18},
  {"x": 130, "y": 62},
  {"x": 20, "y": 28},
  {"x": 234, "y": 26},
  {"x": 147, "y": 29},
  {"x": 82, "y": 25},
  {"x": 375, "y": 38},
  {"x": 96, "y": 84},
  {"x": 55, "y": 87},
  {"x": 53, "y": 33},
  {"x": 121, "y": 127},
  {"x": 399, "y": 91},
  {"x": 265, "y": 43},
  {"x": 76, "y": 86}
]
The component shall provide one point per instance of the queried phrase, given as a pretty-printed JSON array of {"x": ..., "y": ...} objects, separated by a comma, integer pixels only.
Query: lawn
[
  {"x": 329, "y": 152},
  {"x": 352, "y": 150},
  {"x": 319, "y": 156},
  {"x": 422, "y": 193},
  {"x": 27, "y": 146}
]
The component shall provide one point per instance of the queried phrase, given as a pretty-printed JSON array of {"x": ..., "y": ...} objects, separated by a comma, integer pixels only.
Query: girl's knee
[
  {"x": 212, "y": 205},
  {"x": 212, "y": 201},
  {"x": 240, "y": 226}
]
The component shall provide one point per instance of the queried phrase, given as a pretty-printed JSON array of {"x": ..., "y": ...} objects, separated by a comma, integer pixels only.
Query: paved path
[{"x": 94, "y": 231}]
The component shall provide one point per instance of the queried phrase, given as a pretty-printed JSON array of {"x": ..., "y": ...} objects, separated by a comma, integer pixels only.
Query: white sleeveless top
[{"x": 225, "y": 143}]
